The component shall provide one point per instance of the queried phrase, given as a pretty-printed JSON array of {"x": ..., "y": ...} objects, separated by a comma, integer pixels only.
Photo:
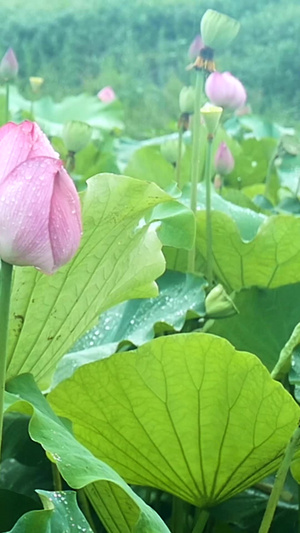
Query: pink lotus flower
[
  {"x": 224, "y": 162},
  {"x": 196, "y": 46},
  {"x": 107, "y": 95},
  {"x": 225, "y": 90},
  {"x": 9, "y": 66},
  {"x": 40, "y": 218}
]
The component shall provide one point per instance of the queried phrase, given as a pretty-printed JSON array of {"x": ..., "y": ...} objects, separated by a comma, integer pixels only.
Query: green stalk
[
  {"x": 179, "y": 518},
  {"x": 178, "y": 162},
  {"x": 279, "y": 481},
  {"x": 201, "y": 522},
  {"x": 7, "y": 102},
  {"x": 298, "y": 508},
  {"x": 57, "y": 481},
  {"x": 195, "y": 158},
  {"x": 269, "y": 172},
  {"x": 209, "y": 250},
  {"x": 6, "y": 279},
  {"x": 85, "y": 506}
]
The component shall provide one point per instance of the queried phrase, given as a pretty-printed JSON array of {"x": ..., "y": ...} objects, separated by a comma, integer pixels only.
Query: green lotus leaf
[
  {"x": 185, "y": 413},
  {"x": 119, "y": 259},
  {"x": 265, "y": 321},
  {"x": 118, "y": 507}
]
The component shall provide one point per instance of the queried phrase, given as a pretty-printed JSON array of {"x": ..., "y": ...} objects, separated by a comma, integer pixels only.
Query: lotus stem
[
  {"x": 291, "y": 448},
  {"x": 5, "y": 291}
]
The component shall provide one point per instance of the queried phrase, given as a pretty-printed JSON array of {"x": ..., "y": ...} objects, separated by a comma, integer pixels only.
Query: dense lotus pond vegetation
[{"x": 149, "y": 306}]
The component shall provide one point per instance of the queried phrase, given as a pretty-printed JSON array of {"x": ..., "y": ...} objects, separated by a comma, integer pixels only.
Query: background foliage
[{"x": 140, "y": 48}]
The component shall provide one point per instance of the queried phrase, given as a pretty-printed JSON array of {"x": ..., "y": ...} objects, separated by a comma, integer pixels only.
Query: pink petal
[
  {"x": 65, "y": 226},
  {"x": 41, "y": 146},
  {"x": 25, "y": 201},
  {"x": 18, "y": 142},
  {"x": 107, "y": 95}
]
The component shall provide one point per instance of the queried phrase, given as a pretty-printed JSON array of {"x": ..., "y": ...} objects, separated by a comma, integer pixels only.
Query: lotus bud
[
  {"x": 107, "y": 95},
  {"x": 40, "y": 216},
  {"x": 187, "y": 100},
  {"x": 36, "y": 83},
  {"x": 169, "y": 150},
  {"x": 9, "y": 66},
  {"x": 196, "y": 47},
  {"x": 211, "y": 115},
  {"x": 224, "y": 162},
  {"x": 218, "y": 304},
  {"x": 76, "y": 135},
  {"x": 218, "y": 30},
  {"x": 225, "y": 90}
]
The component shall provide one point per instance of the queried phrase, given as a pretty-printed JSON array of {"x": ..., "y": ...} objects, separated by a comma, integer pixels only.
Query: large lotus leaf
[
  {"x": 119, "y": 508},
  {"x": 265, "y": 321},
  {"x": 137, "y": 321},
  {"x": 119, "y": 259},
  {"x": 250, "y": 249},
  {"x": 184, "y": 413}
]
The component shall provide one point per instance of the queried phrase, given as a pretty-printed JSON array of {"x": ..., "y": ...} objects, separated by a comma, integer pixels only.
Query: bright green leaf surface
[
  {"x": 120, "y": 509},
  {"x": 185, "y": 413},
  {"x": 265, "y": 321},
  {"x": 137, "y": 320},
  {"x": 119, "y": 259},
  {"x": 269, "y": 260}
]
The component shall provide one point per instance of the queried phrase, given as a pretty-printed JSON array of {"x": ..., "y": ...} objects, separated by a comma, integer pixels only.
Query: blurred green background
[{"x": 139, "y": 47}]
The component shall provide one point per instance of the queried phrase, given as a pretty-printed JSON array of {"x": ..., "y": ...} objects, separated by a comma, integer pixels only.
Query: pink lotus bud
[
  {"x": 196, "y": 47},
  {"x": 107, "y": 95},
  {"x": 40, "y": 218},
  {"x": 9, "y": 66},
  {"x": 225, "y": 90},
  {"x": 224, "y": 162}
]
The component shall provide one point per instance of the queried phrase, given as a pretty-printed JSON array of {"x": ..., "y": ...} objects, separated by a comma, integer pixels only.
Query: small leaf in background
[
  {"x": 149, "y": 164},
  {"x": 184, "y": 413},
  {"x": 61, "y": 515}
]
